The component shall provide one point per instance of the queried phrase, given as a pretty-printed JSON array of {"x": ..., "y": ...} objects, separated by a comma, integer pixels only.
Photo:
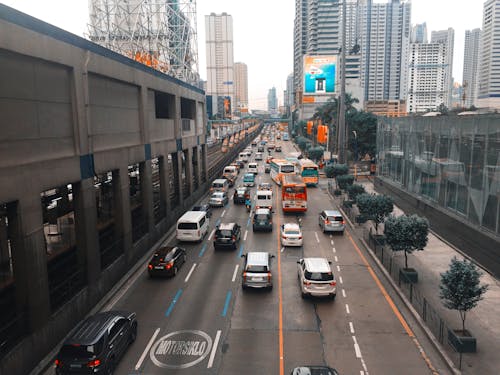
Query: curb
[{"x": 416, "y": 316}]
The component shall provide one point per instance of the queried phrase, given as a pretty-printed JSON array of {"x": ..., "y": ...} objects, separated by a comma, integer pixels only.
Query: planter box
[
  {"x": 337, "y": 192},
  {"x": 408, "y": 275},
  {"x": 462, "y": 342},
  {"x": 360, "y": 219},
  {"x": 379, "y": 239},
  {"x": 347, "y": 203}
]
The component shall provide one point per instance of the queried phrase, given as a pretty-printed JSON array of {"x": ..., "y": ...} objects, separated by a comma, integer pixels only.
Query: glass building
[{"x": 452, "y": 162}]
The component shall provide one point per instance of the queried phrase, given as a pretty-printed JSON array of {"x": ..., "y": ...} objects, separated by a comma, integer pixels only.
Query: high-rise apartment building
[
  {"x": 488, "y": 90},
  {"x": 272, "y": 101},
  {"x": 471, "y": 66},
  {"x": 446, "y": 37},
  {"x": 241, "y": 87},
  {"x": 220, "y": 61},
  {"x": 419, "y": 33},
  {"x": 385, "y": 43},
  {"x": 288, "y": 94}
]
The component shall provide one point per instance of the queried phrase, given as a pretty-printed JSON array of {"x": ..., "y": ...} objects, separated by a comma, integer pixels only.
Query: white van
[
  {"x": 192, "y": 226},
  {"x": 243, "y": 156},
  {"x": 253, "y": 168},
  {"x": 220, "y": 184},
  {"x": 264, "y": 199},
  {"x": 230, "y": 172}
]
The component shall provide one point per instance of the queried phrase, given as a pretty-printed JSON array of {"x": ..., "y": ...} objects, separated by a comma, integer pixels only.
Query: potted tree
[
  {"x": 335, "y": 170},
  {"x": 377, "y": 208},
  {"x": 352, "y": 192},
  {"x": 460, "y": 289},
  {"x": 407, "y": 233}
]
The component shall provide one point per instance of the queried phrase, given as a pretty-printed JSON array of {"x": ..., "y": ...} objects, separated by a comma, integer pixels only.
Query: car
[
  {"x": 258, "y": 156},
  {"x": 314, "y": 370},
  {"x": 237, "y": 165},
  {"x": 265, "y": 186},
  {"x": 241, "y": 194},
  {"x": 257, "y": 270},
  {"x": 227, "y": 236},
  {"x": 291, "y": 235},
  {"x": 267, "y": 168},
  {"x": 218, "y": 199},
  {"x": 263, "y": 220},
  {"x": 254, "y": 143},
  {"x": 331, "y": 221},
  {"x": 240, "y": 162},
  {"x": 316, "y": 278},
  {"x": 269, "y": 159},
  {"x": 260, "y": 148},
  {"x": 271, "y": 146},
  {"x": 278, "y": 149},
  {"x": 97, "y": 343},
  {"x": 166, "y": 261},
  {"x": 253, "y": 168},
  {"x": 203, "y": 207}
]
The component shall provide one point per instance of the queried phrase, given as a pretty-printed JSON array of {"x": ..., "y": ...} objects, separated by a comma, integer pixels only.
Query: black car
[
  {"x": 203, "y": 207},
  {"x": 278, "y": 149},
  {"x": 263, "y": 220},
  {"x": 97, "y": 344},
  {"x": 267, "y": 168},
  {"x": 166, "y": 261},
  {"x": 241, "y": 194},
  {"x": 227, "y": 236}
]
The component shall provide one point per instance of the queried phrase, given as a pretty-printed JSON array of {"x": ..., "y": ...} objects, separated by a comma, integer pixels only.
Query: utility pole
[{"x": 341, "y": 115}]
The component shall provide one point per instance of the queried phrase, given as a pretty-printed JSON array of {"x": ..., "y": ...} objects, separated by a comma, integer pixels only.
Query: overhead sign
[
  {"x": 319, "y": 74},
  {"x": 181, "y": 349}
]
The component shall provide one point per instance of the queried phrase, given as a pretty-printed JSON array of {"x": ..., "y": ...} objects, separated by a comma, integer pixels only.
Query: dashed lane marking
[
  {"x": 343, "y": 293},
  {"x": 245, "y": 236},
  {"x": 317, "y": 238},
  {"x": 340, "y": 279},
  {"x": 347, "y": 308},
  {"x": 351, "y": 327},
  {"x": 223, "y": 213},
  {"x": 211, "y": 234},
  {"x": 146, "y": 350},
  {"x": 214, "y": 350},
  {"x": 235, "y": 272},
  {"x": 189, "y": 273},
  {"x": 336, "y": 259}
]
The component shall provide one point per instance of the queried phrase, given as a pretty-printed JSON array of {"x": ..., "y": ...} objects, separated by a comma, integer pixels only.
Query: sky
[{"x": 263, "y": 32}]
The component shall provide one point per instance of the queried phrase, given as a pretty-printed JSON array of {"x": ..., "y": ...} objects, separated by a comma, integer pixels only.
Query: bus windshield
[{"x": 287, "y": 169}]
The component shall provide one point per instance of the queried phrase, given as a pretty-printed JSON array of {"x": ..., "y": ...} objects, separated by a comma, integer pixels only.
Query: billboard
[{"x": 319, "y": 74}]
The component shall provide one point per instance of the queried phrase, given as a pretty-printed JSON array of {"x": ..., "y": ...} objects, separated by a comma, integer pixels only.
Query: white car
[
  {"x": 291, "y": 235},
  {"x": 218, "y": 199},
  {"x": 316, "y": 278},
  {"x": 258, "y": 156}
]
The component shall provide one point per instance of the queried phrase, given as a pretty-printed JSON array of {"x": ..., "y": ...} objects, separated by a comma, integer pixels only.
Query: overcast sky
[{"x": 263, "y": 32}]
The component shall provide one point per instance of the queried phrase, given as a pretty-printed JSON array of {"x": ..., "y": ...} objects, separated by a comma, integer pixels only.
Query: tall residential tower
[
  {"x": 241, "y": 87},
  {"x": 471, "y": 66}
]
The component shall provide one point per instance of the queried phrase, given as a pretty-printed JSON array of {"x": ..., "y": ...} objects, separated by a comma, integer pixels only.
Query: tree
[
  {"x": 406, "y": 233},
  {"x": 460, "y": 287},
  {"x": 315, "y": 153},
  {"x": 354, "y": 190},
  {"x": 365, "y": 126},
  {"x": 340, "y": 170},
  {"x": 344, "y": 181},
  {"x": 376, "y": 207}
]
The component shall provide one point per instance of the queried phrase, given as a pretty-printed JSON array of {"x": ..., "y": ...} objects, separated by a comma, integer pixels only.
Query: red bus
[{"x": 293, "y": 194}]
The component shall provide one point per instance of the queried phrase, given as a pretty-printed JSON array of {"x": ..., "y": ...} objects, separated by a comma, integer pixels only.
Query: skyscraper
[
  {"x": 471, "y": 61},
  {"x": 220, "y": 61},
  {"x": 488, "y": 91},
  {"x": 446, "y": 37},
  {"x": 241, "y": 86},
  {"x": 288, "y": 94},
  {"x": 419, "y": 33},
  {"x": 272, "y": 101}
]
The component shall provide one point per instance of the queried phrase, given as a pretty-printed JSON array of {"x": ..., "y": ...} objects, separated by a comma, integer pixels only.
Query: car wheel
[
  {"x": 110, "y": 367},
  {"x": 175, "y": 270},
  {"x": 333, "y": 297},
  {"x": 304, "y": 295},
  {"x": 133, "y": 333}
]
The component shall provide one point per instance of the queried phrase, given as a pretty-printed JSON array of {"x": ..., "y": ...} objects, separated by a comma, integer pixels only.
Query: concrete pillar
[
  {"x": 147, "y": 194},
  {"x": 177, "y": 118},
  {"x": 188, "y": 154},
  {"x": 29, "y": 258},
  {"x": 165, "y": 183},
  {"x": 123, "y": 219},
  {"x": 87, "y": 242},
  {"x": 197, "y": 165},
  {"x": 4, "y": 244},
  {"x": 178, "y": 172},
  {"x": 204, "y": 162}
]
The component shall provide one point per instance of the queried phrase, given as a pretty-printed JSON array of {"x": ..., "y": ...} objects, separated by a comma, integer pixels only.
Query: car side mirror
[
  {"x": 273, "y": 256},
  {"x": 298, "y": 262},
  {"x": 243, "y": 255},
  {"x": 329, "y": 262}
]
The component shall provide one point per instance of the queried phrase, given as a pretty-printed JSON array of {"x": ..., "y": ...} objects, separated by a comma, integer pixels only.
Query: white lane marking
[
  {"x": 357, "y": 350},
  {"x": 245, "y": 236},
  {"x": 317, "y": 238},
  {"x": 234, "y": 273},
  {"x": 223, "y": 213},
  {"x": 250, "y": 213},
  {"x": 340, "y": 279},
  {"x": 351, "y": 327},
  {"x": 331, "y": 241},
  {"x": 282, "y": 249},
  {"x": 214, "y": 349},
  {"x": 211, "y": 234},
  {"x": 338, "y": 268},
  {"x": 331, "y": 235},
  {"x": 146, "y": 350},
  {"x": 343, "y": 293},
  {"x": 334, "y": 250},
  {"x": 336, "y": 259},
  {"x": 189, "y": 273},
  {"x": 347, "y": 308}
]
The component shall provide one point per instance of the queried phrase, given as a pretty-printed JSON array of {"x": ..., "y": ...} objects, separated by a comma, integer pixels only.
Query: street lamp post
[{"x": 341, "y": 114}]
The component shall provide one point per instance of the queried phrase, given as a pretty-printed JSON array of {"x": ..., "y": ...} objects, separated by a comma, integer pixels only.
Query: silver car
[
  {"x": 218, "y": 199},
  {"x": 257, "y": 270},
  {"x": 331, "y": 221},
  {"x": 316, "y": 278}
]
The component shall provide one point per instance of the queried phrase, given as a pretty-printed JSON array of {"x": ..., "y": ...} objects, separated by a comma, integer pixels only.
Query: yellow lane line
[{"x": 280, "y": 296}]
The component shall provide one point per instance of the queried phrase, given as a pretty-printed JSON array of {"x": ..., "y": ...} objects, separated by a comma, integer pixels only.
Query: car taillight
[
  {"x": 333, "y": 283},
  {"x": 306, "y": 282},
  {"x": 58, "y": 363},
  {"x": 168, "y": 266},
  {"x": 343, "y": 222},
  {"x": 327, "y": 222},
  {"x": 300, "y": 237},
  {"x": 244, "y": 276},
  {"x": 150, "y": 266},
  {"x": 284, "y": 237},
  {"x": 94, "y": 363},
  {"x": 269, "y": 276},
  {"x": 233, "y": 238}
]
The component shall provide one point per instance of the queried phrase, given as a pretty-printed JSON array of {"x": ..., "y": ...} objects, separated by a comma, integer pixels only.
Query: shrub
[
  {"x": 344, "y": 181},
  {"x": 376, "y": 207},
  {"x": 354, "y": 190}
]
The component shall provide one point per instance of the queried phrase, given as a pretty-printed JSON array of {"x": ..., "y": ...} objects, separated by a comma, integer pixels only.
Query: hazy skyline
[{"x": 263, "y": 32}]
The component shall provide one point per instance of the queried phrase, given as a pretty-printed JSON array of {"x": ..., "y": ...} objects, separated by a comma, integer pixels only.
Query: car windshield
[
  {"x": 187, "y": 226},
  {"x": 319, "y": 276},
  {"x": 261, "y": 217},
  {"x": 223, "y": 233},
  {"x": 198, "y": 208},
  {"x": 291, "y": 231},
  {"x": 256, "y": 269},
  {"x": 81, "y": 351},
  {"x": 241, "y": 191},
  {"x": 217, "y": 195}
]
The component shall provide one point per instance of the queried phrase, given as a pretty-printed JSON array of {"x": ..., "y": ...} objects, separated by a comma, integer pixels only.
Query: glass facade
[{"x": 452, "y": 161}]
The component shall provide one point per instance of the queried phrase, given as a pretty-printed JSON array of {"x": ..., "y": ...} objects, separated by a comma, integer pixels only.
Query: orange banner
[
  {"x": 309, "y": 127},
  {"x": 322, "y": 134}
]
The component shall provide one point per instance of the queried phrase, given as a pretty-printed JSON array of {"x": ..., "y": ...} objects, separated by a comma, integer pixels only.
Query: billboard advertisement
[{"x": 319, "y": 74}]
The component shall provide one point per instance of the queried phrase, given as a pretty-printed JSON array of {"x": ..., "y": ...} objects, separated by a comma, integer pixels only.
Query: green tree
[
  {"x": 315, "y": 153},
  {"x": 354, "y": 190},
  {"x": 329, "y": 171},
  {"x": 406, "y": 233},
  {"x": 460, "y": 287},
  {"x": 340, "y": 170},
  {"x": 365, "y": 126},
  {"x": 376, "y": 207},
  {"x": 344, "y": 181}
]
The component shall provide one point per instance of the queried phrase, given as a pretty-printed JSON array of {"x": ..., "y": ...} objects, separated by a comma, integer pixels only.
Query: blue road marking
[
  {"x": 174, "y": 301},
  {"x": 226, "y": 304},
  {"x": 248, "y": 222},
  {"x": 202, "y": 251},
  {"x": 217, "y": 223},
  {"x": 241, "y": 251}
]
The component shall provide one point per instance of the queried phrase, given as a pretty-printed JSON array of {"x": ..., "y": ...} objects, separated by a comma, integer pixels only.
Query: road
[{"x": 230, "y": 331}]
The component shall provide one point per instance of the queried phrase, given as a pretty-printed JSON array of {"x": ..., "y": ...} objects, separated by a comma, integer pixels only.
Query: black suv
[
  {"x": 241, "y": 194},
  {"x": 97, "y": 344},
  {"x": 227, "y": 236}
]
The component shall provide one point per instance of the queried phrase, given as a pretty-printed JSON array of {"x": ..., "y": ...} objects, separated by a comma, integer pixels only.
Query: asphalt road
[{"x": 202, "y": 322}]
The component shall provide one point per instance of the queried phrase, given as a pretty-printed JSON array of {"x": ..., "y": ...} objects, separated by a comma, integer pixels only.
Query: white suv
[{"x": 316, "y": 278}]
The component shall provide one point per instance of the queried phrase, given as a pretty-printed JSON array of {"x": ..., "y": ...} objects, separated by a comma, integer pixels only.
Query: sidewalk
[{"x": 483, "y": 321}]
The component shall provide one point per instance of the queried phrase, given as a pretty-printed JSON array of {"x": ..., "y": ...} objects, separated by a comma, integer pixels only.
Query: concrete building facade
[
  {"x": 272, "y": 101},
  {"x": 99, "y": 155},
  {"x": 419, "y": 33},
  {"x": 241, "y": 86},
  {"x": 471, "y": 67},
  {"x": 220, "y": 60}
]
